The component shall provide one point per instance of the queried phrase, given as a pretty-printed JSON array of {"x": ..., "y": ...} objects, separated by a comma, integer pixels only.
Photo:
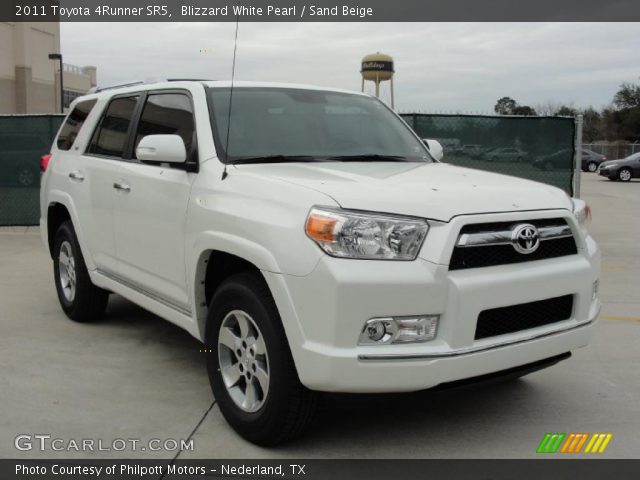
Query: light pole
[{"x": 58, "y": 56}]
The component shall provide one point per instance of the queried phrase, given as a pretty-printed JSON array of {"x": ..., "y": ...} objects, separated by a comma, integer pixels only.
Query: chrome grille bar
[{"x": 504, "y": 237}]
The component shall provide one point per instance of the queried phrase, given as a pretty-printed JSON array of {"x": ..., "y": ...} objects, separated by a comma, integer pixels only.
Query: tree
[
  {"x": 626, "y": 117},
  {"x": 591, "y": 125},
  {"x": 566, "y": 111},
  {"x": 508, "y": 106},
  {"x": 505, "y": 106},
  {"x": 525, "y": 110},
  {"x": 627, "y": 97}
]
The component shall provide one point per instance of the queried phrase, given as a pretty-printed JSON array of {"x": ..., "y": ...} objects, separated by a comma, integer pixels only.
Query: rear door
[
  {"x": 150, "y": 207},
  {"x": 74, "y": 174}
]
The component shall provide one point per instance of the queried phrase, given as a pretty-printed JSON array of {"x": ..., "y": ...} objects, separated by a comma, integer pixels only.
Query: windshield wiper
[
  {"x": 369, "y": 157},
  {"x": 275, "y": 159}
]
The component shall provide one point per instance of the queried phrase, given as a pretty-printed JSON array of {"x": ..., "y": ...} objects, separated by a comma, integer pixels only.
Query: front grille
[
  {"x": 515, "y": 318},
  {"x": 491, "y": 255}
]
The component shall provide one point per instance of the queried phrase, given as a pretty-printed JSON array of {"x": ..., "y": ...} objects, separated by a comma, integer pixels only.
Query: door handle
[
  {"x": 122, "y": 186},
  {"x": 76, "y": 175}
]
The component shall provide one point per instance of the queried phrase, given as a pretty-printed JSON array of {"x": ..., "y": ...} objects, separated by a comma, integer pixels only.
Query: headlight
[
  {"x": 582, "y": 212},
  {"x": 373, "y": 236}
]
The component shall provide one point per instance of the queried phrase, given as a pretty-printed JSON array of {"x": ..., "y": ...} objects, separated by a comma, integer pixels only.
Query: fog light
[
  {"x": 594, "y": 292},
  {"x": 376, "y": 331},
  {"x": 384, "y": 331}
]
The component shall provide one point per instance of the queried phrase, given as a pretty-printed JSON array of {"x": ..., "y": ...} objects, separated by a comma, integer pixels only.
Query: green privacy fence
[
  {"x": 23, "y": 140},
  {"x": 536, "y": 148}
]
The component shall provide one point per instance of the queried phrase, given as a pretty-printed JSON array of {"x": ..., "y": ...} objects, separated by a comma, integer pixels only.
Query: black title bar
[{"x": 319, "y": 10}]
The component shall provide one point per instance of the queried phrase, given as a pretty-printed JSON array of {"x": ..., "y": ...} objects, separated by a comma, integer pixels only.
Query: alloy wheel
[
  {"x": 67, "y": 271},
  {"x": 624, "y": 175},
  {"x": 244, "y": 362}
]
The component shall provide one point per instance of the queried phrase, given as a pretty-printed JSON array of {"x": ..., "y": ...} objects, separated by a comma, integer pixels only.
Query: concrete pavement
[{"x": 134, "y": 376}]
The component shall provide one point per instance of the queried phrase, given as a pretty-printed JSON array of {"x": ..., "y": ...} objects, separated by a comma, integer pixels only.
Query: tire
[
  {"x": 79, "y": 298},
  {"x": 285, "y": 408},
  {"x": 625, "y": 175},
  {"x": 592, "y": 166}
]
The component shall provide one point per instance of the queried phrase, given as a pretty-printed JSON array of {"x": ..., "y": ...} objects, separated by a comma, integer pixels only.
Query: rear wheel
[
  {"x": 79, "y": 298},
  {"x": 251, "y": 370},
  {"x": 624, "y": 175},
  {"x": 592, "y": 166}
]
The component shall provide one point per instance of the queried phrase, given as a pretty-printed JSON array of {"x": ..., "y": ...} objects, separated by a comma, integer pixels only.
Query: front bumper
[{"x": 328, "y": 308}]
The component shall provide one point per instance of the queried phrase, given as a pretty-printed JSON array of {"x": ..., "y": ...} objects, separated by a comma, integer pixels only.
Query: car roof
[{"x": 134, "y": 87}]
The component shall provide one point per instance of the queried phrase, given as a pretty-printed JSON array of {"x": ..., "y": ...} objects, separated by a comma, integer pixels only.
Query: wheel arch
[{"x": 218, "y": 261}]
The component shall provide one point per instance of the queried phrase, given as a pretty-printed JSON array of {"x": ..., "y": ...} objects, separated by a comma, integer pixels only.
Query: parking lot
[{"x": 133, "y": 375}]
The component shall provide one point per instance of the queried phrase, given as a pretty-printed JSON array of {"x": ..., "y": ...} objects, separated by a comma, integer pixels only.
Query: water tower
[{"x": 377, "y": 68}]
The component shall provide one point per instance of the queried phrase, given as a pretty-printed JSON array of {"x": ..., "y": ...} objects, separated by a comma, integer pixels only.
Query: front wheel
[
  {"x": 624, "y": 175},
  {"x": 251, "y": 370},
  {"x": 79, "y": 298}
]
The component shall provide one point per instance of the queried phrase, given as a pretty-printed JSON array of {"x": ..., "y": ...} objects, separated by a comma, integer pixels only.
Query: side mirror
[
  {"x": 435, "y": 148},
  {"x": 162, "y": 148}
]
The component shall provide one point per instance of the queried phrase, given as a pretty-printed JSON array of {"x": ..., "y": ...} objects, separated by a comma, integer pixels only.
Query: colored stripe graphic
[
  {"x": 550, "y": 442},
  {"x": 574, "y": 443},
  {"x": 598, "y": 443}
]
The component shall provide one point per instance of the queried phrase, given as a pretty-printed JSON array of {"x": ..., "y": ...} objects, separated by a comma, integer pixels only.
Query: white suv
[{"x": 309, "y": 239}]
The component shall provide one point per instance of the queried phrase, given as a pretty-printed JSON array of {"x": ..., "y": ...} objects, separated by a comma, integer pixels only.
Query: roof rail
[{"x": 145, "y": 82}]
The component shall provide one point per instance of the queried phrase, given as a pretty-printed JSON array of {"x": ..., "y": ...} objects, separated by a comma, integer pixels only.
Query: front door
[{"x": 150, "y": 205}]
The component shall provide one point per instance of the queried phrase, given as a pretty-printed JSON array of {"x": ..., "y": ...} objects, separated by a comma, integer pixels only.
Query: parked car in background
[
  {"x": 506, "y": 154},
  {"x": 19, "y": 159},
  {"x": 560, "y": 160},
  {"x": 591, "y": 160},
  {"x": 563, "y": 160},
  {"x": 623, "y": 170},
  {"x": 471, "y": 151}
]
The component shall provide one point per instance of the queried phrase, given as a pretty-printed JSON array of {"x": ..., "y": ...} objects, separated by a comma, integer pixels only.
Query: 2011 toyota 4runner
[{"x": 310, "y": 240}]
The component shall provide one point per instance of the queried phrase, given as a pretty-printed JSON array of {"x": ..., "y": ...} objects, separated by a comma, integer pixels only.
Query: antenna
[{"x": 233, "y": 75}]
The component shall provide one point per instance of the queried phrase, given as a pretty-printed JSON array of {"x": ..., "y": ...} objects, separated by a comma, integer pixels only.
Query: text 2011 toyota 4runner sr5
[{"x": 309, "y": 239}]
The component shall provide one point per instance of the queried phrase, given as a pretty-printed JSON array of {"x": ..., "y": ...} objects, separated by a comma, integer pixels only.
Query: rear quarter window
[{"x": 73, "y": 124}]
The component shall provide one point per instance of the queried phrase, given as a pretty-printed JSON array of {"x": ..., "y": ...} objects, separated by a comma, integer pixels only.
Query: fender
[
  {"x": 250, "y": 251},
  {"x": 64, "y": 199}
]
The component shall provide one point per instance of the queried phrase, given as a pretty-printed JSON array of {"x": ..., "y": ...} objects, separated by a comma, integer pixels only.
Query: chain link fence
[
  {"x": 536, "y": 148},
  {"x": 613, "y": 151},
  {"x": 23, "y": 140}
]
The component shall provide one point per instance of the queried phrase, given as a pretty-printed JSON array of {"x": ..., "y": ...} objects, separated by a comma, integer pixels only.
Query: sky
[{"x": 440, "y": 67}]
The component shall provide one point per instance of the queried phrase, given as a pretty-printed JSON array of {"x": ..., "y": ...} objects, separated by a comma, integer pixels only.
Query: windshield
[{"x": 284, "y": 124}]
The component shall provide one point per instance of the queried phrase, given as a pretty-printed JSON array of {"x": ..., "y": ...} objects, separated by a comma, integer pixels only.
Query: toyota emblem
[{"x": 525, "y": 238}]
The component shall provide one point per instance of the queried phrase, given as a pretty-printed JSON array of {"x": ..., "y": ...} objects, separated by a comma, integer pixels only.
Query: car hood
[
  {"x": 430, "y": 190},
  {"x": 611, "y": 163}
]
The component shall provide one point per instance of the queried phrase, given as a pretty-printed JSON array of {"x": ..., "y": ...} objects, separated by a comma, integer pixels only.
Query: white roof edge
[
  {"x": 108, "y": 92},
  {"x": 299, "y": 86}
]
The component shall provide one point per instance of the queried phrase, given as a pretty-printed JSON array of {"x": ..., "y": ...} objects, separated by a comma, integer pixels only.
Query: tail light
[
  {"x": 604, "y": 157},
  {"x": 44, "y": 162}
]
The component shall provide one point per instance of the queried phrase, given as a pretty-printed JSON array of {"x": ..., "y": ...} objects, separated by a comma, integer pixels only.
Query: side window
[
  {"x": 110, "y": 138},
  {"x": 169, "y": 114},
  {"x": 73, "y": 124}
]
